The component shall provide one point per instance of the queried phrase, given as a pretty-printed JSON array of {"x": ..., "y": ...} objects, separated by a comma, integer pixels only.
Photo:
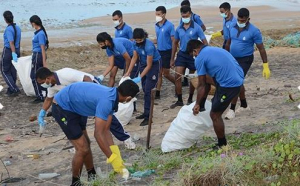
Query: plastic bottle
[
  {"x": 141, "y": 174},
  {"x": 48, "y": 175}
]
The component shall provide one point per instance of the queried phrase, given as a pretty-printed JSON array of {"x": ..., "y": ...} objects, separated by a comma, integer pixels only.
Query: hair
[
  {"x": 243, "y": 12},
  {"x": 225, "y": 5},
  {"x": 185, "y": 3},
  {"x": 185, "y": 9},
  {"x": 43, "y": 73},
  {"x": 118, "y": 13},
  {"x": 139, "y": 33},
  {"x": 192, "y": 45},
  {"x": 9, "y": 18},
  {"x": 37, "y": 20},
  {"x": 161, "y": 9},
  {"x": 103, "y": 36},
  {"x": 128, "y": 88}
]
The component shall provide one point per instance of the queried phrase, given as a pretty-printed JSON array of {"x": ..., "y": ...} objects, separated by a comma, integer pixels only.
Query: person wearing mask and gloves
[{"x": 241, "y": 42}]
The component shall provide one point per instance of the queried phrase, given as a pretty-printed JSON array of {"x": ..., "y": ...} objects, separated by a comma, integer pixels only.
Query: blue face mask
[
  {"x": 241, "y": 25},
  {"x": 186, "y": 20},
  {"x": 223, "y": 15}
]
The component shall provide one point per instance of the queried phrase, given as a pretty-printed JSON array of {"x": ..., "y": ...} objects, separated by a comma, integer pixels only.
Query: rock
[{"x": 32, "y": 118}]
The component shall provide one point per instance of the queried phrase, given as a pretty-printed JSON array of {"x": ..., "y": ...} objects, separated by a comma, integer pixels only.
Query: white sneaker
[
  {"x": 129, "y": 144},
  {"x": 242, "y": 109},
  {"x": 230, "y": 114}
]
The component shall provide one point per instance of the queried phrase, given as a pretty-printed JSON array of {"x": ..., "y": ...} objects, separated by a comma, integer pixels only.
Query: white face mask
[
  {"x": 223, "y": 15},
  {"x": 186, "y": 20},
  {"x": 45, "y": 85},
  {"x": 158, "y": 19},
  {"x": 117, "y": 23}
]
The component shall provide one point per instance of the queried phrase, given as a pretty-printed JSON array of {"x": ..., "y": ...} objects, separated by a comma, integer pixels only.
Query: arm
[
  {"x": 44, "y": 55},
  {"x": 200, "y": 93},
  {"x": 127, "y": 60},
  {"x": 103, "y": 135},
  {"x": 111, "y": 61},
  {"x": 203, "y": 27},
  {"x": 12, "y": 46},
  {"x": 148, "y": 67},
  {"x": 154, "y": 41},
  {"x": 174, "y": 50},
  {"x": 262, "y": 51},
  {"x": 227, "y": 46},
  {"x": 132, "y": 63},
  {"x": 47, "y": 103},
  {"x": 87, "y": 79},
  {"x": 204, "y": 41}
]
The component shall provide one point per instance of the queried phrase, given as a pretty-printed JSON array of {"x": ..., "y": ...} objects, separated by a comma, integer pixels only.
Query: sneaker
[
  {"x": 129, "y": 144},
  {"x": 189, "y": 101},
  {"x": 140, "y": 117},
  {"x": 230, "y": 114},
  {"x": 218, "y": 147},
  {"x": 242, "y": 109},
  {"x": 177, "y": 104},
  {"x": 144, "y": 122},
  {"x": 37, "y": 100},
  {"x": 13, "y": 94}
]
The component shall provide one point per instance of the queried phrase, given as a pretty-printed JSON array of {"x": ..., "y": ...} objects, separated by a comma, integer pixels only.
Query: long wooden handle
[{"x": 153, "y": 91}]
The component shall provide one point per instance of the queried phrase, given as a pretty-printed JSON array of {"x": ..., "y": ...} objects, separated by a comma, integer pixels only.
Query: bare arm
[
  {"x": 127, "y": 60},
  {"x": 204, "y": 41},
  {"x": 174, "y": 50},
  {"x": 103, "y": 135},
  {"x": 154, "y": 41},
  {"x": 47, "y": 103},
  {"x": 201, "y": 93},
  {"x": 44, "y": 55},
  {"x": 148, "y": 67},
  {"x": 263, "y": 53},
  {"x": 132, "y": 63},
  {"x": 12, "y": 46},
  {"x": 227, "y": 46},
  {"x": 111, "y": 61},
  {"x": 203, "y": 27}
]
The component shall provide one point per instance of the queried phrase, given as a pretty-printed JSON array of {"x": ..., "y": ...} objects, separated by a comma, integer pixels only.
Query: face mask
[
  {"x": 141, "y": 43},
  {"x": 241, "y": 25},
  {"x": 104, "y": 47},
  {"x": 117, "y": 23},
  {"x": 186, "y": 20},
  {"x": 223, "y": 15},
  {"x": 45, "y": 85},
  {"x": 158, "y": 19}
]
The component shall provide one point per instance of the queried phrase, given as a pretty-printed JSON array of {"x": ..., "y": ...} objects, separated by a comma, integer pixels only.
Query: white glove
[{"x": 101, "y": 77}]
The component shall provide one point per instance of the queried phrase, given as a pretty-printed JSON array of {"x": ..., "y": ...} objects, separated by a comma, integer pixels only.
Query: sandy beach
[{"x": 77, "y": 48}]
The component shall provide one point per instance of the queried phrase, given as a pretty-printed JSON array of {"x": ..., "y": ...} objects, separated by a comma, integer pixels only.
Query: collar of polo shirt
[
  {"x": 121, "y": 27},
  {"x": 245, "y": 28},
  {"x": 157, "y": 24},
  {"x": 56, "y": 79}
]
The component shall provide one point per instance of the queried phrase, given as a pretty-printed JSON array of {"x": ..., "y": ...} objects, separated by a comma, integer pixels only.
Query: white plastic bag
[
  {"x": 23, "y": 67},
  {"x": 186, "y": 128},
  {"x": 125, "y": 111}
]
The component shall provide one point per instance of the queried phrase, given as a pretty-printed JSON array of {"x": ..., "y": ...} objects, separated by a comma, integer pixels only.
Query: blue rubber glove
[
  {"x": 42, "y": 114},
  {"x": 14, "y": 57},
  {"x": 137, "y": 79}
]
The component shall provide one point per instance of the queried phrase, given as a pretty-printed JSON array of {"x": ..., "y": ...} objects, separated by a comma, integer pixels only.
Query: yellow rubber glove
[
  {"x": 266, "y": 71},
  {"x": 216, "y": 34},
  {"x": 115, "y": 149},
  {"x": 116, "y": 162}
]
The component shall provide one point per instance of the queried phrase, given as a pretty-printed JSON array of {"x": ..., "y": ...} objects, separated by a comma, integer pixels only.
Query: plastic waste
[
  {"x": 6, "y": 163},
  {"x": 141, "y": 174},
  {"x": 48, "y": 175}
]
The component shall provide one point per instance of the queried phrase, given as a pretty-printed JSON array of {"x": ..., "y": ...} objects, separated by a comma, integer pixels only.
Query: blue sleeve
[
  {"x": 109, "y": 52},
  {"x": 200, "y": 67},
  {"x": 198, "y": 20},
  {"x": 121, "y": 48},
  {"x": 130, "y": 34},
  {"x": 103, "y": 110},
  {"x": 200, "y": 33},
  {"x": 42, "y": 39},
  {"x": 150, "y": 49},
  {"x": 116, "y": 33},
  {"x": 257, "y": 37},
  {"x": 172, "y": 30},
  {"x": 10, "y": 34},
  {"x": 177, "y": 34}
]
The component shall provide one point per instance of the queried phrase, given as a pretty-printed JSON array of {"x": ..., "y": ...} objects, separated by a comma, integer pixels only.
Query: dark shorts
[
  {"x": 120, "y": 62},
  {"x": 245, "y": 63},
  {"x": 71, "y": 123},
  {"x": 166, "y": 58},
  {"x": 223, "y": 97},
  {"x": 185, "y": 60}
]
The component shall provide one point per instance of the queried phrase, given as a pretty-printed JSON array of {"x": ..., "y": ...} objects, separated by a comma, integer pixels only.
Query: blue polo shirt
[
  {"x": 227, "y": 25},
  {"x": 164, "y": 34},
  {"x": 88, "y": 99},
  {"x": 196, "y": 18},
  {"x": 125, "y": 31},
  {"x": 9, "y": 36},
  {"x": 147, "y": 50},
  {"x": 242, "y": 43},
  {"x": 219, "y": 64},
  {"x": 193, "y": 32},
  {"x": 38, "y": 39},
  {"x": 121, "y": 46}
]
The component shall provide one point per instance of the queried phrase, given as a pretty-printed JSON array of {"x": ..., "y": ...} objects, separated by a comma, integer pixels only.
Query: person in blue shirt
[
  {"x": 196, "y": 18},
  {"x": 228, "y": 77},
  {"x": 186, "y": 31},
  {"x": 11, "y": 51},
  {"x": 229, "y": 21},
  {"x": 40, "y": 44},
  {"x": 150, "y": 64},
  {"x": 241, "y": 42},
  {"x": 119, "y": 52},
  {"x": 122, "y": 29},
  {"x": 71, "y": 107},
  {"x": 164, "y": 36}
]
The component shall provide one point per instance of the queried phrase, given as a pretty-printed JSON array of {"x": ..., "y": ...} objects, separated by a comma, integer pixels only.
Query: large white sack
[
  {"x": 23, "y": 67},
  {"x": 186, "y": 128},
  {"x": 125, "y": 111}
]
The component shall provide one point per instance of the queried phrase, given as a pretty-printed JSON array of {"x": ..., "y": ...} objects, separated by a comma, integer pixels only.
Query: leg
[
  {"x": 112, "y": 76},
  {"x": 167, "y": 74},
  {"x": 37, "y": 62},
  {"x": 192, "y": 90},
  {"x": 159, "y": 83},
  {"x": 88, "y": 161},
  {"x": 178, "y": 86}
]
